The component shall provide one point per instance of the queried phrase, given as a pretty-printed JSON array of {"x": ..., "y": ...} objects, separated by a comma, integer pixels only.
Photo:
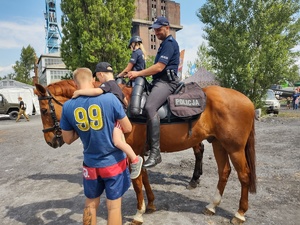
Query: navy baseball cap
[
  {"x": 103, "y": 67},
  {"x": 159, "y": 22}
]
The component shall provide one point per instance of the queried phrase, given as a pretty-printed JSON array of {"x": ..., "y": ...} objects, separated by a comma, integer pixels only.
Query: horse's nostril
[{"x": 49, "y": 143}]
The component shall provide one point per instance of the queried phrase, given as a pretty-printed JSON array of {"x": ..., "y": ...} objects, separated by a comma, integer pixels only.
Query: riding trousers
[{"x": 158, "y": 96}]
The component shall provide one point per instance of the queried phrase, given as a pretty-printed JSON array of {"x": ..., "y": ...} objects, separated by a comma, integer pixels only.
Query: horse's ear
[{"x": 40, "y": 90}]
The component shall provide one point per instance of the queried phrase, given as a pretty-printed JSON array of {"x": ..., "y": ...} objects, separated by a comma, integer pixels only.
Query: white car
[{"x": 272, "y": 104}]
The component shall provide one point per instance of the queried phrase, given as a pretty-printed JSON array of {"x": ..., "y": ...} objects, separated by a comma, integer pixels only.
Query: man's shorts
[{"x": 114, "y": 179}]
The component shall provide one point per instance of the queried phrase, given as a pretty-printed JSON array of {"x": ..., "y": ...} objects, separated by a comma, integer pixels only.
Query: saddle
[{"x": 184, "y": 105}]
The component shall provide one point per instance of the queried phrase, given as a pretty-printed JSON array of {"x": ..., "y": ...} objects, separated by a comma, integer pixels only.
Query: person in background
[
  {"x": 288, "y": 102},
  {"x": 165, "y": 80},
  {"x": 138, "y": 56},
  {"x": 104, "y": 73},
  {"x": 104, "y": 165},
  {"x": 22, "y": 110},
  {"x": 295, "y": 99}
]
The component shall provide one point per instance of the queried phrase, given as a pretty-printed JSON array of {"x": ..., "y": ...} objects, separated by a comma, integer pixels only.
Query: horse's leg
[
  {"x": 138, "y": 188},
  {"x": 239, "y": 162},
  {"x": 198, "y": 152},
  {"x": 224, "y": 170},
  {"x": 150, "y": 196},
  {"x": 138, "y": 183}
]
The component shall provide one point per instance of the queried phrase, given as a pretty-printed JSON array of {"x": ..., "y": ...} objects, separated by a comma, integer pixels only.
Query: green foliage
[
  {"x": 10, "y": 76},
  {"x": 149, "y": 62},
  {"x": 96, "y": 31},
  {"x": 252, "y": 43},
  {"x": 23, "y": 67},
  {"x": 203, "y": 60},
  {"x": 68, "y": 76}
]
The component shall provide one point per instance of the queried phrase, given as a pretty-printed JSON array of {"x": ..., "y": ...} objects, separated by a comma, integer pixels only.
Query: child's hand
[{"x": 75, "y": 94}]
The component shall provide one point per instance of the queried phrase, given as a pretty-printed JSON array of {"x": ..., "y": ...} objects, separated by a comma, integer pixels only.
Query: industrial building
[{"x": 50, "y": 67}]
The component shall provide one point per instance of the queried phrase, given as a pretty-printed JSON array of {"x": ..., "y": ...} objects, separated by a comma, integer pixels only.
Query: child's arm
[{"x": 88, "y": 92}]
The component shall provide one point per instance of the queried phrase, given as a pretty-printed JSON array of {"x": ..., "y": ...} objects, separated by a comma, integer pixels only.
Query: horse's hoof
[
  {"x": 237, "y": 221},
  {"x": 133, "y": 222},
  {"x": 193, "y": 184},
  {"x": 150, "y": 210},
  {"x": 207, "y": 212}
]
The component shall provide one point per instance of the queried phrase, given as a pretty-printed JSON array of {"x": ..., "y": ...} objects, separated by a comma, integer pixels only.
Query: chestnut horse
[{"x": 227, "y": 122}]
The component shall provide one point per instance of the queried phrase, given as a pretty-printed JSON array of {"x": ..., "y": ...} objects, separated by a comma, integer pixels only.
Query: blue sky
[{"x": 22, "y": 23}]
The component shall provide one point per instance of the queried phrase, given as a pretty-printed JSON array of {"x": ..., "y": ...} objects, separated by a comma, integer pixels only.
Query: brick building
[{"x": 145, "y": 14}]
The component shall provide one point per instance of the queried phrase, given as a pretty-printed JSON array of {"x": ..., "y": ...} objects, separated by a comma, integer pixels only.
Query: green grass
[{"x": 289, "y": 114}]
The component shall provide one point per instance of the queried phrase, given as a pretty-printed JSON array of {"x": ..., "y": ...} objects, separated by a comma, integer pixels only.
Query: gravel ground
[{"x": 40, "y": 185}]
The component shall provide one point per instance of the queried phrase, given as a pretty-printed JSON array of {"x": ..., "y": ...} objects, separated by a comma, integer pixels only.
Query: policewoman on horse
[
  {"x": 137, "y": 58},
  {"x": 165, "y": 80}
]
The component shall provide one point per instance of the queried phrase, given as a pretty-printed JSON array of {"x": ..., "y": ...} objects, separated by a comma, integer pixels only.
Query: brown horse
[{"x": 227, "y": 122}]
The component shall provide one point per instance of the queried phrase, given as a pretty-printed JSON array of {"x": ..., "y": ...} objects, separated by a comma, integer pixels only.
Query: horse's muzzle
[{"x": 56, "y": 142}]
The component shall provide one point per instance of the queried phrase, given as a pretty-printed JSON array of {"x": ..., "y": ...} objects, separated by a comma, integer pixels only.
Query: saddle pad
[{"x": 190, "y": 101}]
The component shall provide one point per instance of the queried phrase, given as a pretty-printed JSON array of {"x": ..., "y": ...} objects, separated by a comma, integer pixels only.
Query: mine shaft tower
[{"x": 53, "y": 34}]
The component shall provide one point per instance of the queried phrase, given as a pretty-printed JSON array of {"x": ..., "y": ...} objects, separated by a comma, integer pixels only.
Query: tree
[
  {"x": 10, "y": 76},
  {"x": 26, "y": 64},
  {"x": 203, "y": 60},
  {"x": 252, "y": 42},
  {"x": 68, "y": 76},
  {"x": 96, "y": 31}
]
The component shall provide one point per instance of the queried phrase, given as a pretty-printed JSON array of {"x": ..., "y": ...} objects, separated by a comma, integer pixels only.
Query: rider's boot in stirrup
[{"x": 154, "y": 139}]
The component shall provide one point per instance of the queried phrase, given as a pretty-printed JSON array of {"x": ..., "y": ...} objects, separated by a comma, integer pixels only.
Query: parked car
[
  {"x": 272, "y": 105},
  {"x": 8, "y": 108}
]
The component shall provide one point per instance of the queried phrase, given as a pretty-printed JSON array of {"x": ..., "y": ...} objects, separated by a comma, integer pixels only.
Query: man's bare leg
[
  {"x": 90, "y": 211},
  {"x": 114, "y": 212}
]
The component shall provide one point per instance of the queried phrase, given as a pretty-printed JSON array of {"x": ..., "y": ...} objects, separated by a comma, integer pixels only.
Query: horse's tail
[{"x": 250, "y": 156}]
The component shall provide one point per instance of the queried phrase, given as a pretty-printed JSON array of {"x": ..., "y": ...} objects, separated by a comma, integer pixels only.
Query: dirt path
[{"x": 40, "y": 185}]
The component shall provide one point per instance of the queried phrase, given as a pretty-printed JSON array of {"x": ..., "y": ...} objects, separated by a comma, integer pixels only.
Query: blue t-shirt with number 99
[{"x": 93, "y": 119}]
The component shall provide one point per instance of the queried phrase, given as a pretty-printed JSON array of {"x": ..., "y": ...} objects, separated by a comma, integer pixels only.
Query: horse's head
[{"x": 51, "y": 100}]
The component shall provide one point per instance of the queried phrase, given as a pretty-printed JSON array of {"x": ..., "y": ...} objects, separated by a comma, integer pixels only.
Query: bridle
[{"x": 56, "y": 128}]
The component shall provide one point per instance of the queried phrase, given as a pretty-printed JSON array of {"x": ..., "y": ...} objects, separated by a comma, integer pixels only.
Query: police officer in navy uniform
[
  {"x": 165, "y": 80},
  {"x": 138, "y": 56}
]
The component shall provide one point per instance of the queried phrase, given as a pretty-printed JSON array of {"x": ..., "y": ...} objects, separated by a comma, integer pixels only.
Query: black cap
[
  {"x": 159, "y": 22},
  {"x": 102, "y": 67}
]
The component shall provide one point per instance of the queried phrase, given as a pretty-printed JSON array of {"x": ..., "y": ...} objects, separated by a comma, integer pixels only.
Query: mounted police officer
[
  {"x": 165, "y": 80},
  {"x": 138, "y": 56}
]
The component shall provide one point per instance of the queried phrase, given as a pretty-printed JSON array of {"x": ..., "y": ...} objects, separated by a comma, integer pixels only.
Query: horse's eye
[{"x": 43, "y": 111}]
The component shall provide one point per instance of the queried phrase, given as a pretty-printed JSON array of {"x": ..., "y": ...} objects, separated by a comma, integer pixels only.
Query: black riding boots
[{"x": 153, "y": 128}]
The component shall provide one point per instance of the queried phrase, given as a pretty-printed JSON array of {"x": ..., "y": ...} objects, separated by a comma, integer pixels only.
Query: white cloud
[
  {"x": 14, "y": 36},
  {"x": 17, "y": 35},
  {"x": 6, "y": 70},
  {"x": 189, "y": 39}
]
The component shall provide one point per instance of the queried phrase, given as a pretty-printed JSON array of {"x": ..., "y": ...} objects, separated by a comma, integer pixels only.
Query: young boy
[{"x": 104, "y": 73}]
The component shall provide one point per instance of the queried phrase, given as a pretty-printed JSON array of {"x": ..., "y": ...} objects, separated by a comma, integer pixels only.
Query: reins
[{"x": 56, "y": 126}]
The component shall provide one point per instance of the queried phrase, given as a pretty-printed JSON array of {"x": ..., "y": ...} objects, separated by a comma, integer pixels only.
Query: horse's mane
[
  {"x": 64, "y": 88},
  {"x": 127, "y": 90}
]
